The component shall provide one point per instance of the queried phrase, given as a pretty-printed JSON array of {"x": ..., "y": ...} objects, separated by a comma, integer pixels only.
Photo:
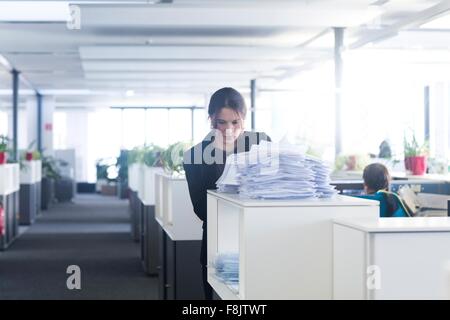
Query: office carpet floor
[{"x": 93, "y": 233}]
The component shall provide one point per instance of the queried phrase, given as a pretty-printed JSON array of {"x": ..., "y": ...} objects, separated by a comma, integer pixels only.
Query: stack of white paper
[
  {"x": 271, "y": 171},
  {"x": 227, "y": 267}
]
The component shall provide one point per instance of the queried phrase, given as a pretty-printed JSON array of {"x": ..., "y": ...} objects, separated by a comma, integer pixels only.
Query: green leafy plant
[
  {"x": 4, "y": 143},
  {"x": 37, "y": 155},
  {"x": 413, "y": 149},
  {"x": 152, "y": 155},
  {"x": 50, "y": 167},
  {"x": 356, "y": 162},
  {"x": 149, "y": 155},
  {"x": 172, "y": 157},
  {"x": 134, "y": 156},
  {"x": 31, "y": 146},
  {"x": 122, "y": 164}
]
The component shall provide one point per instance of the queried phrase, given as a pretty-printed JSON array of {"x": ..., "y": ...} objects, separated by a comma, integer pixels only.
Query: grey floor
[{"x": 93, "y": 233}]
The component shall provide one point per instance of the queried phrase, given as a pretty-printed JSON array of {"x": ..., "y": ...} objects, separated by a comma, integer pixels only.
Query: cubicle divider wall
[
  {"x": 179, "y": 240},
  {"x": 30, "y": 180},
  {"x": 9, "y": 204},
  {"x": 283, "y": 249},
  {"x": 161, "y": 255},
  {"x": 391, "y": 258},
  {"x": 38, "y": 186},
  {"x": 133, "y": 183},
  {"x": 149, "y": 225}
]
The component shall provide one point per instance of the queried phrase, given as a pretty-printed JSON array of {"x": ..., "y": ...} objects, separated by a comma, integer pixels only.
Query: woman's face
[{"x": 230, "y": 124}]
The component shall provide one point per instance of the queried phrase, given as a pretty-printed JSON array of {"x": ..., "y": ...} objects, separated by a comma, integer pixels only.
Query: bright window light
[
  {"x": 35, "y": 11},
  {"x": 442, "y": 22},
  {"x": 3, "y": 123}
]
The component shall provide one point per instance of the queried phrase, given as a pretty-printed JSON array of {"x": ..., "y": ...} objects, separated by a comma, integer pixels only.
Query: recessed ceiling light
[{"x": 129, "y": 93}]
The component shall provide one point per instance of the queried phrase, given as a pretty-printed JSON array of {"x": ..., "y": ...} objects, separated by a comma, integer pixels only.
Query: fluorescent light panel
[{"x": 34, "y": 11}]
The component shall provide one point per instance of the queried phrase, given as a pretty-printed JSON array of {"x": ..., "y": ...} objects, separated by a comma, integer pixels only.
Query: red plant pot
[
  {"x": 418, "y": 165},
  {"x": 29, "y": 156},
  {"x": 3, "y": 157}
]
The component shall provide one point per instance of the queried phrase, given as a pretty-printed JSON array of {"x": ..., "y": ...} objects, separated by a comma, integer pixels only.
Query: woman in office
[
  {"x": 376, "y": 185},
  {"x": 205, "y": 162}
]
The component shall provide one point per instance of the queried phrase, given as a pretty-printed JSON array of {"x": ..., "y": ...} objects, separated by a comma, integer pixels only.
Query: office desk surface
[
  {"x": 417, "y": 224},
  {"x": 431, "y": 177},
  {"x": 432, "y": 213},
  {"x": 336, "y": 201}
]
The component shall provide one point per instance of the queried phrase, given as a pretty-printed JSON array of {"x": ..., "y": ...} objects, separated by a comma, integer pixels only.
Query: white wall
[
  {"x": 31, "y": 121},
  {"x": 439, "y": 120},
  {"x": 48, "y": 108},
  {"x": 77, "y": 138}
]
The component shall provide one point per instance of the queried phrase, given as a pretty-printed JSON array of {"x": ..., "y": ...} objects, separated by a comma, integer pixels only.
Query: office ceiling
[{"x": 189, "y": 48}]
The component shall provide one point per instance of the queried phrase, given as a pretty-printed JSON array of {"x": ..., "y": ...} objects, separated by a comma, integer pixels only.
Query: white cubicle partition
[
  {"x": 447, "y": 279},
  {"x": 392, "y": 258},
  {"x": 159, "y": 203},
  {"x": 9, "y": 178},
  {"x": 9, "y": 198},
  {"x": 133, "y": 176},
  {"x": 140, "y": 183},
  {"x": 37, "y": 170},
  {"x": 174, "y": 208},
  {"x": 148, "y": 224},
  {"x": 284, "y": 247},
  {"x": 29, "y": 172},
  {"x": 30, "y": 187},
  {"x": 180, "y": 235},
  {"x": 148, "y": 194}
]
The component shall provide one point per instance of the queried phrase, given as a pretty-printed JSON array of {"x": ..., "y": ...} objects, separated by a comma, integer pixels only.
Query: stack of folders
[
  {"x": 227, "y": 268},
  {"x": 272, "y": 171}
]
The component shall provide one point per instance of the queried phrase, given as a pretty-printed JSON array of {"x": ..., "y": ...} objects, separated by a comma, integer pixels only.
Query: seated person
[{"x": 376, "y": 185}]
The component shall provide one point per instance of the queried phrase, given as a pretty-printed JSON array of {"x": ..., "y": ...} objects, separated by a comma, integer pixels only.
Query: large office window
[
  {"x": 3, "y": 122},
  {"x": 157, "y": 128},
  {"x": 201, "y": 125},
  {"x": 381, "y": 101},
  {"x": 133, "y": 123},
  {"x": 300, "y": 110},
  {"x": 105, "y": 136},
  {"x": 60, "y": 130},
  {"x": 5, "y": 102},
  {"x": 180, "y": 128}
]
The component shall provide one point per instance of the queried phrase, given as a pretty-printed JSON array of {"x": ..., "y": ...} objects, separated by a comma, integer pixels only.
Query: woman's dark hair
[
  {"x": 376, "y": 177},
  {"x": 227, "y": 98}
]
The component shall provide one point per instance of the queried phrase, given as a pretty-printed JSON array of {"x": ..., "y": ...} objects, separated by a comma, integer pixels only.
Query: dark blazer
[{"x": 204, "y": 165}]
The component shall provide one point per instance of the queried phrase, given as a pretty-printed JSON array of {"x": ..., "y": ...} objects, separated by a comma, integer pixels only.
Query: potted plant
[
  {"x": 4, "y": 141},
  {"x": 172, "y": 157},
  {"x": 122, "y": 179},
  {"x": 29, "y": 154},
  {"x": 352, "y": 162},
  {"x": 50, "y": 173},
  {"x": 133, "y": 156},
  {"x": 415, "y": 155},
  {"x": 151, "y": 156}
]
